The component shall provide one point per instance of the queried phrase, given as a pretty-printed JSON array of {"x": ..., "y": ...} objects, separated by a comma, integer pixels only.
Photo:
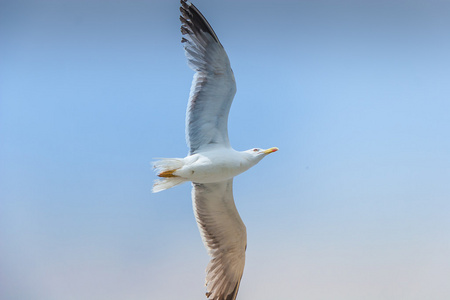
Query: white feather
[{"x": 166, "y": 164}]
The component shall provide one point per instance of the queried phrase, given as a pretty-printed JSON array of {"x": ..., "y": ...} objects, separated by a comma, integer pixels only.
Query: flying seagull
[{"x": 212, "y": 162}]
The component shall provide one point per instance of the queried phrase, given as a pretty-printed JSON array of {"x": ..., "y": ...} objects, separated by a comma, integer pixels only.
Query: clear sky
[{"x": 355, "y": 205}]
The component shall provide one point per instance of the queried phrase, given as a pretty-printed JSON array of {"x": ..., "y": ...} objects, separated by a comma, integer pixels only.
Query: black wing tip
[
  {"x": 193, "y": 22},
  {"x": 184, "y": 7}
]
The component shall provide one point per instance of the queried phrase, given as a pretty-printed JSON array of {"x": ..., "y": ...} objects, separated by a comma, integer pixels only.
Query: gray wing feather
[
  {"x": 224, "y": 236},
  {"x": 213, "y": 86}
]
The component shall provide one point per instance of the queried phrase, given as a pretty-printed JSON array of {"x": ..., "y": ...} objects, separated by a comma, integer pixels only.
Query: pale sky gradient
[{"x": 355, "y": 205}]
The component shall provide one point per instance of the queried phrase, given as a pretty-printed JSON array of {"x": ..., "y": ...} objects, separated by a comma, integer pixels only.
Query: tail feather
[
  {"x": 166, "y": 183},
  {"x": 165, "y": 168}
]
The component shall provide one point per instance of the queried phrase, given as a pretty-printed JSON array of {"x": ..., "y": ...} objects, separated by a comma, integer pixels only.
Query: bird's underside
[
  {"x": 223, "y": 234},
  {"x": 211, "y": 163}
]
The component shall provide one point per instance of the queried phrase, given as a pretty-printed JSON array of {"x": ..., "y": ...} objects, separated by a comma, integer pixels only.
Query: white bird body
[
  {"x": 212, "y": 163},
  {"x": 215, "y": 165}
]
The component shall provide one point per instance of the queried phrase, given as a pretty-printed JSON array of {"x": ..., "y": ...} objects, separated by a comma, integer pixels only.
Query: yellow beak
[{"x": 270, "y": 150}]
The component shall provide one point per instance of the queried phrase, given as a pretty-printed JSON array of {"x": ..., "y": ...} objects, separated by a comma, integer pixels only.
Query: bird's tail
[{"x": 165, "y": 167}]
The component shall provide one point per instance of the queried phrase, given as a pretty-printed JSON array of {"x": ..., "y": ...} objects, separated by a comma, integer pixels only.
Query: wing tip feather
[{"x": 192, "y": 19}]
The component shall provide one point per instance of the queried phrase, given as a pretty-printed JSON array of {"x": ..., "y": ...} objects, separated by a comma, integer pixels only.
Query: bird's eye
[{"x": 255, "y": 150}]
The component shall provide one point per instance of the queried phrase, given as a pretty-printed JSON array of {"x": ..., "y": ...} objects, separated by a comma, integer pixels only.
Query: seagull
[{"x": 211, "y": 163}]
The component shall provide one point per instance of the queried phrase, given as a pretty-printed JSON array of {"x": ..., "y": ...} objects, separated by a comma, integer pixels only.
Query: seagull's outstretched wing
[
  {"x": 213, "y": 86},
  {"x": 223, "y": 234}
]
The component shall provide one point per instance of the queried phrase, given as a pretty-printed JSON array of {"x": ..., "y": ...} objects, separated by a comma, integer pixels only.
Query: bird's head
[{"x": 256, "y": 154}]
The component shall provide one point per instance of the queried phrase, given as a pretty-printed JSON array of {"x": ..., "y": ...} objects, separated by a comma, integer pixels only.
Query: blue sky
[{"x": 355, "y": 205}]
